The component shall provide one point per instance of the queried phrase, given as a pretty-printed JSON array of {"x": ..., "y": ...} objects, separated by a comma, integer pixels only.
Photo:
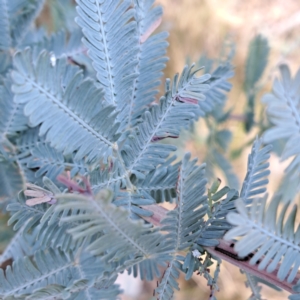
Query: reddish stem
[{"x": 226, "y": 252}]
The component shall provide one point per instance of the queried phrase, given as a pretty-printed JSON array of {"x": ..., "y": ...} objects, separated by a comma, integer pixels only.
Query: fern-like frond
[
  {"x": 103, "y": 289},
  {"x": 110, "y": 35},
  {"x": 165, "y": 290},
  {"x": 183, "y": 224},
  {"x": 5, "y": 62},
  {"x": 47, "y": 161},
  {"x": 112, "y": 177},
  {"x": 71, "y": 109},
  {"x": 61, "y": 44},
  {"x": 56, "y": 291},
  {"x": 218, "y": 87},
  {"x": 50, "y": 232},
  {"x": 12, "y": 118},
  {"x": 32, "y": 38},
  {"x": 283, "y": 112},
  {"x": 54, "y": 274},
  {"x": 36, "y": 158},
  {"x": 140, "y": 151},
  {"x": 257, "y": 59},
  {"x": 160, "y": 183},
  {"x": 274, "y": 242},
  {"x": 134, "y": 239},
  {"x": 149, "y": 269},
  {"x": 257, "y": 172},
  {"x": 28, "y": 216},
  {"x": 12, "y": 180},
  {"x": 24, "y": 144},
  {"x": 28, "y": 139},
  {"x": 26, "y": 275},
  {"x": 54, "y": 234},
  {"x": 174, "y": 111},
  {"x": 44, "y": 219},
  {"x": 22, "y": 14},
  {"x": 216, "y": 225},
  {"x": 109, "y": 176},
  {"x": 133, "y": 202},
  {"x": 189, "y": 88},
  {"x": 151, "y": 59},
  {"x": 22, "y": 244},
  {"x": 5, "y": 38}
]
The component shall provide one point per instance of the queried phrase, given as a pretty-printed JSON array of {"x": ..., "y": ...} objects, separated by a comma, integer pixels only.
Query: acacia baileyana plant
[{"x": 87, "y": 157}]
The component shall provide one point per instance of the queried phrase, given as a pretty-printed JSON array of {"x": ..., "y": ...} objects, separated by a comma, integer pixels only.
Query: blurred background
[
  {"x": 212, "y": 28},
  {"x": 206, "y": 27}
]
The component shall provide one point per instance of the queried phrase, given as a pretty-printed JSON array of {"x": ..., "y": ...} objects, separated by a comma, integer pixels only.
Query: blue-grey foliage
[
  {"x": 49, "y": 91},
  {"x": 12, "y": 179},
  {"x": 219, "y": 86},
  {"x": 256, "y": 63},
  {"x": 256, "y": 178},
  {"x": 12, "y": 116},
  {"x": 182, "y": 223},
  {"x": 273, "y": 238},
  {"x": 284, "y": 114},
  {"x": 84, "y": 162}
]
